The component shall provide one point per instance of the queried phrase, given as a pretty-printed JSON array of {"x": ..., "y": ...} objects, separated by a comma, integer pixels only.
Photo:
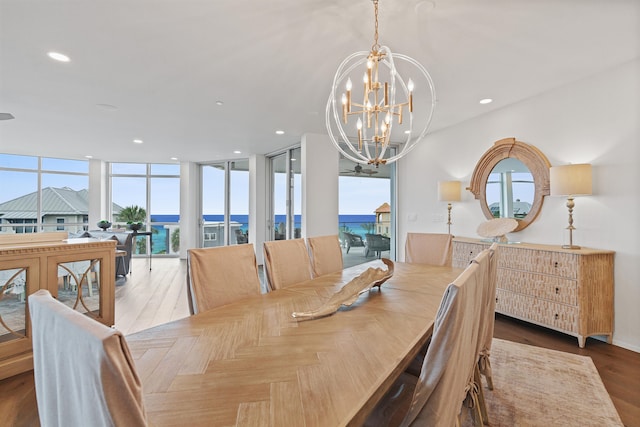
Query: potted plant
[
  {"x": 104, "y": 224},
  {"x": 133, "y": 216},
  {"x": 135, "y": 226}
]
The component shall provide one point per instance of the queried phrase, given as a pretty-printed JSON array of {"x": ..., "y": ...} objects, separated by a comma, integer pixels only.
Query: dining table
[{"x": 251, "y": 363}]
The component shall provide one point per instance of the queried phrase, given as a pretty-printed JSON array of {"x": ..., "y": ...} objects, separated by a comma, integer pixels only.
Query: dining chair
[
  {"x": 325, "y": 254},
  {"x": 286, "y": 262},
  {"x": 436, "y": 397},
  {"x": 484, "y": 363},
  {"x": 83, "y": 370},
  {"x": 486, "y": 302},
  {"x": 428, "y": 248},
  {"x": 220, "y": 275}
]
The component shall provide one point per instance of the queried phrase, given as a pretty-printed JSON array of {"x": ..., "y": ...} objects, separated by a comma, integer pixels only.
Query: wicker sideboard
[
  {"x": 78, "y": 272},
  {"x": 567, "y": 290}
]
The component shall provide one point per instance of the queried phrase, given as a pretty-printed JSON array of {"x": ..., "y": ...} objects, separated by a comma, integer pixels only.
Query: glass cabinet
[{"x": 78, "y": 272}]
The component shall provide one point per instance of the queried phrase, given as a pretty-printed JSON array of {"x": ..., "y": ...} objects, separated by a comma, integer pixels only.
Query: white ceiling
[{"x": 164, "y": 63}]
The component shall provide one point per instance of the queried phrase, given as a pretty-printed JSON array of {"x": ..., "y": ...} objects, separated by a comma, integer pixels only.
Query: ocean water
[{"x": 352, "y": 223}]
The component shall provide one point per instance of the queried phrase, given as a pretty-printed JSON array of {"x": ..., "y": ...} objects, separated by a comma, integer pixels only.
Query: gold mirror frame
[{"x": 532, "y": 158}]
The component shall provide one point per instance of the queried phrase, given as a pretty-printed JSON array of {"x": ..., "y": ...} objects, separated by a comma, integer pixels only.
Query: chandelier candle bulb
[
  {"x": 344, "y": 108},
  {"x": 386, "y": 94}
]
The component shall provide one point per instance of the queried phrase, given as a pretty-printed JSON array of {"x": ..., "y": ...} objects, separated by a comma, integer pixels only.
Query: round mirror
[
  {"x": 510, "y": 189},
  {"x": 511, "y": 180}
]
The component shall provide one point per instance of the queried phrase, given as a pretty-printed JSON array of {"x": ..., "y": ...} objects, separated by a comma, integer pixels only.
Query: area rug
[{"x": 534, "y": 386}]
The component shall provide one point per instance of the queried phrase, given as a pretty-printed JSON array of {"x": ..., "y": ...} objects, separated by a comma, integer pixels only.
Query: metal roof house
[{"x": 63, "y": 209}]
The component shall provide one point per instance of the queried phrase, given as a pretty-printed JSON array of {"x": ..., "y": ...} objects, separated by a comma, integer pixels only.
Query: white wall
[
  {"x": 320, "y": 170},
  {"x": 189, "y": 206},
  {"x": 595, "y": 120},
  {"x": 258, "y": 190},
  {"x": 98, "y": 193}
]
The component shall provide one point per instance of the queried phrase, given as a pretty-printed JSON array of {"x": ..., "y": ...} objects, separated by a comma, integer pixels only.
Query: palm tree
[
  {"x": 132, "y": 214},
  {"x": 369, "y": 227}
]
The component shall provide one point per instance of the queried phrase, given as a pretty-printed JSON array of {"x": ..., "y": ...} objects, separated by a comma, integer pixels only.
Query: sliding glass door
[
  {"x": 286, "y": 196},
  {"x": 224, "y": 203},
  {"x": 366, "y": 207}
]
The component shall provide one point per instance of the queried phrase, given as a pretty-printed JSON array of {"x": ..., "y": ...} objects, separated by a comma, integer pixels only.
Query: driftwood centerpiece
[{"x": 350, "y": 292}]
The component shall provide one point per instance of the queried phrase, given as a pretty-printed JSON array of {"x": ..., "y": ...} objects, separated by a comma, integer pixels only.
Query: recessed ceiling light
[
  {"x": 237, "y": 152},
  {"x": 138, "y": 141},
  {"x": 88, "y": 156},
  {"x": 486, "y": 101},
  {"x": 407, "y": 132},
  {"x": 58, "y": 56},
  {"x": 174, "y": 158},
  {"x": 219, "y": 103},
  {"x": 279, "y": 132}
]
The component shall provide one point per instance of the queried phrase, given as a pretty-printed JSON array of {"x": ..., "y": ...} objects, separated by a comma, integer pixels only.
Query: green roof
[{"x": 55, "y": 201}]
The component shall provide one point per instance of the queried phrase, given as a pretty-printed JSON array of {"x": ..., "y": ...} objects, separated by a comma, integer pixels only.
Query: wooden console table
[
  {"x": 567, "y": 290},
  {"x": 67, "y": 268}
]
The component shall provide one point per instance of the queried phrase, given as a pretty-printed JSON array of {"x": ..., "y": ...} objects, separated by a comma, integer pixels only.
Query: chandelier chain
[{"x": 375, "y": 46}]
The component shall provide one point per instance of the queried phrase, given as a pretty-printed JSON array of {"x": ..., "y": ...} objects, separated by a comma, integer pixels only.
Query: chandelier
[{"x": 387, "y": 102}]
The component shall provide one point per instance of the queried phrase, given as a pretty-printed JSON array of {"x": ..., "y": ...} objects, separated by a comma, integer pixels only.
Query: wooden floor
[{"x": 147, "y": 298}]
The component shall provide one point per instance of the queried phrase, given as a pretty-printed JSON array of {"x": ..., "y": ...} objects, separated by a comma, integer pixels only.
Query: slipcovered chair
[
  {"x": 486, "y": 322},
  {"x": 221, "y": 275},
  {"x": 353, "y": 240},
  {"x": 83, "y": 370},
  {"x": 436, "y": 397},
  {"x": 486, "y": 337},
  {"x": 377, "y": 243},
  {"x": 286, "y": 263},
  {"x": 125, "y": 243},
  {"x": 428, "y": 248},
  {"x": 325, "y": 254}
]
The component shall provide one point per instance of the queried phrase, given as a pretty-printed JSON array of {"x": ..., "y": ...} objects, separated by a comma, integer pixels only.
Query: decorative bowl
[
  {"x": 104, "y": 225},
  {"x": 135, "y": 226}
]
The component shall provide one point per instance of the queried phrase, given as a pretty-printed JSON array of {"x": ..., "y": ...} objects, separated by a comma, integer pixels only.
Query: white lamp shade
[
  {"x": 570, "y": 180},
  {"x": 449, "y": 191}
]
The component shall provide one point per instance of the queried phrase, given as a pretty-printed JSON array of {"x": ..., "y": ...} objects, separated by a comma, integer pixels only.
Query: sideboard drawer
[
  {"x": 559, "y": 316},
  {"x": 545, "y": 262},
  {"x": 463, "y": 253},
  {"x": 551, "y": 288}
]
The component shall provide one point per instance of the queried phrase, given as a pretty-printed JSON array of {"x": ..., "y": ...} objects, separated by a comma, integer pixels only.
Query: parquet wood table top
[{"x": 252, "y": 363}]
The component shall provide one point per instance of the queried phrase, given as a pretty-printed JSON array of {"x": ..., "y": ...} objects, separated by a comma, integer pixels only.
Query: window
[
  {"x": 286, "y": 195},
  {"x": 50, "y": 193},
  {"x": 148, "y": 193},
  {"x": 225, "y": 203}
]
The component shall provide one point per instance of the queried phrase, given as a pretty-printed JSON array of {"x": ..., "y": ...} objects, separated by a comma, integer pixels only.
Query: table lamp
[
  {"x": 449, "y": 191},
  {"x": 570, "y": 181}
]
